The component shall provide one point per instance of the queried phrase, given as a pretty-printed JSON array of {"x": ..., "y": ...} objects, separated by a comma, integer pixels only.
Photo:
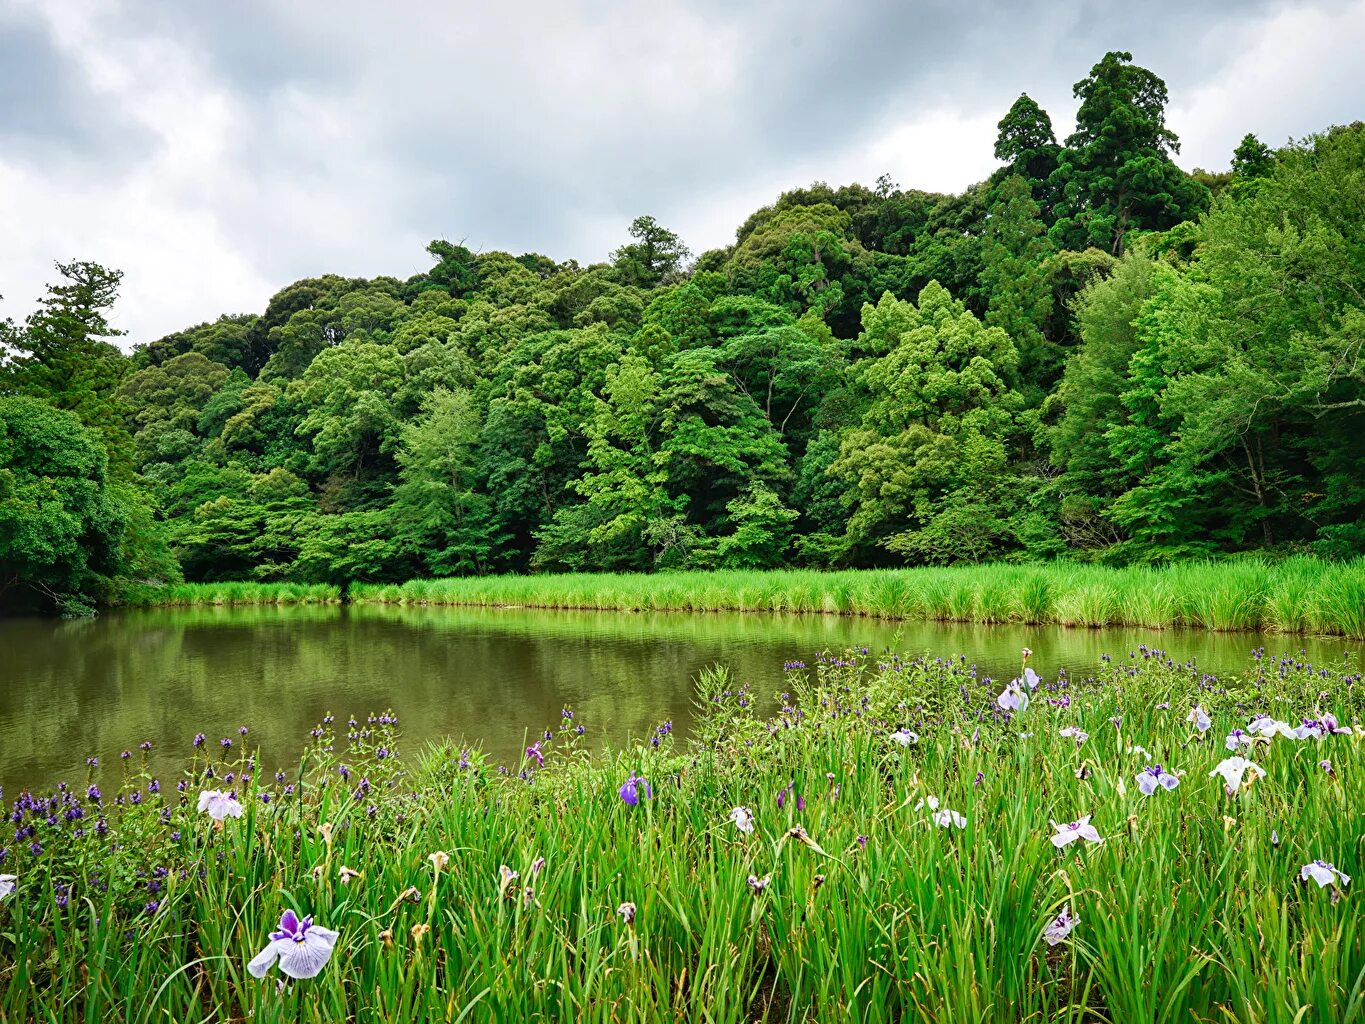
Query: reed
[
  {"x": 463, "y": 890},
  {"x": 1298, "y": 595},
  {"x": 203, "y": 595}
]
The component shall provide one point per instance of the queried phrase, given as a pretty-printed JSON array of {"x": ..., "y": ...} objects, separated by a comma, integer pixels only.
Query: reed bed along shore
[
  {"x": 205, "y": 595},
  {"x": 1298, "y": 595},
  {"x": 904, "y": 840}
]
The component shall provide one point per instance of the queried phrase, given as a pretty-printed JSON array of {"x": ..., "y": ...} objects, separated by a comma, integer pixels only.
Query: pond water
[{"x": 75, "y": 689}]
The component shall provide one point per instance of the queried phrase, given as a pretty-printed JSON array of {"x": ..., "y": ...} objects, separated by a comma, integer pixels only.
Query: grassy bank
[
  {"x": 203, "y": 595},
  {"x": 1298, "y": 595},
  {"x": 462, "y": 891}
]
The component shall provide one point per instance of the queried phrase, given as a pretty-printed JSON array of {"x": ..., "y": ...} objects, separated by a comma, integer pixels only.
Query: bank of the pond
[
  {"x": 204, "y": 595},
  {"x": 891, "y": 845},
  {"x": 1299, "y": 595}
]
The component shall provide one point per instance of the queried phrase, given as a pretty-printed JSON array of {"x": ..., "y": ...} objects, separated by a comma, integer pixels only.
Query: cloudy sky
[{"x": 217, "y": 151}]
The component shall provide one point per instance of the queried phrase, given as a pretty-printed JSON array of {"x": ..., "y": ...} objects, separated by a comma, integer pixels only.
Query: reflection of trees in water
[{"x": 69, "y": 689}]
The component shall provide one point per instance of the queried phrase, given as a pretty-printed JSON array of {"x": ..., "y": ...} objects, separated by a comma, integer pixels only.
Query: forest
[{"x": 1092, "y": 355}]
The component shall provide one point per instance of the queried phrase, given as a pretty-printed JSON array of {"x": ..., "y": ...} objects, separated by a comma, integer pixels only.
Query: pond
[{"x": 75, "y": 689}]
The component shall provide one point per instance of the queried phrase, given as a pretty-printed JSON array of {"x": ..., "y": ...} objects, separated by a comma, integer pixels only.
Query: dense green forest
[{"x": 1092, "y": 354}]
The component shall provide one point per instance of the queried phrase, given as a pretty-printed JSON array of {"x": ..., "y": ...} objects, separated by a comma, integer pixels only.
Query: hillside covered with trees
[{"x": 1092, "y": 354}]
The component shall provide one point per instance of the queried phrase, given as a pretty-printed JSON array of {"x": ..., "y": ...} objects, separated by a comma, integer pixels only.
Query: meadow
[
  {"x": 903, "y": 840},
  {"x": 1297, "y": 595}
]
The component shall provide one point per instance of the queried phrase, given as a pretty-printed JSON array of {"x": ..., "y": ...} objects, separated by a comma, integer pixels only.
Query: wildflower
[
  {"x": 1330, "y": 724},
  {"x": 627, "y": 912},
  {"x": 439, "y": 860},
  {"x": 947, "y": 818},
  {"x": 1060, "y": 927},
  {"x": 1027, "y": 654},
  {"x": 1031, "y": 679},
  {"x": 1326, "y": 766},
  {"x": 347, "y": 874},
  {"x": 757, "y": 885},
  {"x": 537, "y": 865},
  {"x": 506, "y": 876},
  {"x": 7, "y": 884},
  {"x": 1013, "y": 699},
  {"x": 743, "y": 819},
  {"x": 1165, "y": 705},
  {"x": 1083, "y": 772},
  {"x": 219, "y": 805},
  {"x": 325, "y": 829},
  {"x": 1234, "y": 769},
  {"x": 1274, "y": 837},
  {"x": 630, "y": 790},
  {"x": 1323, "y": 873},
  {"x": 1155, "y": 775},
  {"x": 816, "y": 882},
  {"x": 409, "y": 895},
  {"x": 418, "y": 930},
  {"x": 1079, "y": 735},
  {"x": 1135, "y": 749},
  {"x": 1069, "y": 832},
  {"x": 1264, "y": 725},
  {"x": 800, "y": 835},
  {"x": 533, "y": 751},
  {"x": 1200, "y": 718},
  {"x": 301, "y": 947},
  {"x": 904, "y": 737},
  {"x": 386, "y": 937},
  {"x": 1239, "y": 738}
]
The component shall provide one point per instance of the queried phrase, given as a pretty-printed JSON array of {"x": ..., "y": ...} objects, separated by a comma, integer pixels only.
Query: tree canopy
[{"x": 1088, "y": 355}]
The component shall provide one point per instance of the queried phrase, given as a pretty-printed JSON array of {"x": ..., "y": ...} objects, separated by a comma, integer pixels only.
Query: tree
[
  {"x": 1116, "y": 175},
  {"x": 1028, "y": 146},
  {"x": 655, "y": 257},
  {"x": 1021, "y": 299},
  {"x": 937, "y": 423},
  {"x": 440, "y": 517},
  {"x": 347, "y": 397},
  {"x": 69, "y": 537},
  {"x": 174, "y": 392},
  {"x": 1252, "y": 158},
  {"x": 63, "y": 356}
]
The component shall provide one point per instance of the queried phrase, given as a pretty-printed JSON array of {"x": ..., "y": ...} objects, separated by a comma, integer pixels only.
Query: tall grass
[
  {"x": 846, "y": 903},
  {"x": 203, "y": 595},
  {"x": 1298, "y": 595}
]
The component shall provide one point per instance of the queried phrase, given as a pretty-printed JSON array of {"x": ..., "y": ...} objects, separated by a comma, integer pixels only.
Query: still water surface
[{"x": 75, "y": 689}]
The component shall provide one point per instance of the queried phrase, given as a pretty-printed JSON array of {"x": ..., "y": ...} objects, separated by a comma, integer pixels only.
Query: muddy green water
[{"x": 74, "y": 689}]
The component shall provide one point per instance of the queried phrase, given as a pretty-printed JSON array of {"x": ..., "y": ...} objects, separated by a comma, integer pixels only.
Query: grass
[
  {"x": 1298, "y": 595},
  {"x": 846, "y": 903},
  {"x": 204, "y": 595}
]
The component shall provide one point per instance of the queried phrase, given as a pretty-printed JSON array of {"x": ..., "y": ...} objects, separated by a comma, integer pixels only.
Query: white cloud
[{"x": 243, "y": 148}]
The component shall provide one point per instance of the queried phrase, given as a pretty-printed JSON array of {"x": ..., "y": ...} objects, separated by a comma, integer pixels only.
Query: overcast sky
[{"x": 216, "y": 151}]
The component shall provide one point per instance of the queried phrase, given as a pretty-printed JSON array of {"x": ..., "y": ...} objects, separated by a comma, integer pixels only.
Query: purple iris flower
[
  {"x": 534, "y": 751},
  {"x": 1060, "y": 927},
  {"x": 630, "y": 790},
  {"x": 302, "y": 948},
  {"x": 1154, "y": 776},
  {"x": 782, "y": 794}
]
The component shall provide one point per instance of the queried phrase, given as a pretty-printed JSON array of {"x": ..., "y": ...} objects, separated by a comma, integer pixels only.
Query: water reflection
[{"x": 69, "y": 690}]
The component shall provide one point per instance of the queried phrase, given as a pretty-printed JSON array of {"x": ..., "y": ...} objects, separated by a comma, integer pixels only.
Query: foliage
[
  {"x": 892, "y": 859},
  {"x": 69, "y": 536},
  {"x": 1082, "y": 356}
]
